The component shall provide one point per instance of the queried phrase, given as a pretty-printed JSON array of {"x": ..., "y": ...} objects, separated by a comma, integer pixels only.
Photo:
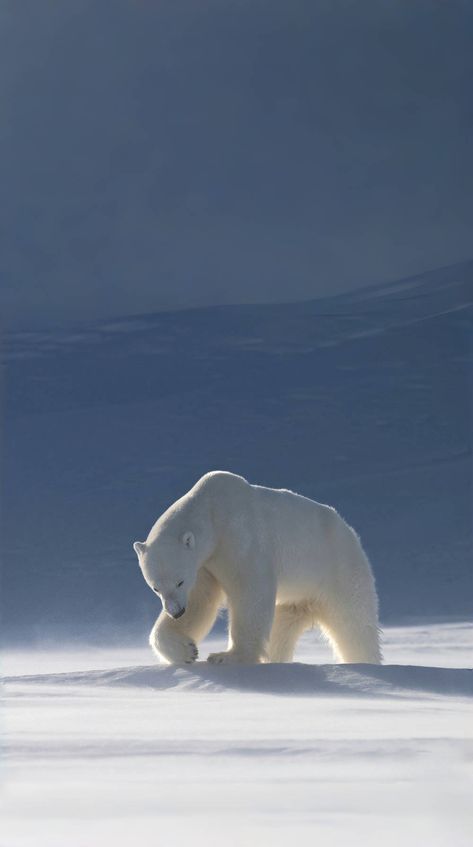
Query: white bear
[{"x": 281, "y": 563}]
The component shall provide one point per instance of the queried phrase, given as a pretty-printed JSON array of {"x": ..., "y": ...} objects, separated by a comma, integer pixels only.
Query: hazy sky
[{"x": 175, "y": 153}]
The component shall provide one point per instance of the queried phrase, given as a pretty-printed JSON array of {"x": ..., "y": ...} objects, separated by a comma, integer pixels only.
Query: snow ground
[{"x": 257, "y": 755}]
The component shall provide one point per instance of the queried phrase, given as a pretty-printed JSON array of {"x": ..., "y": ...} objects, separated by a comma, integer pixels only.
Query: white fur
[{"x": 281, "y": 562}]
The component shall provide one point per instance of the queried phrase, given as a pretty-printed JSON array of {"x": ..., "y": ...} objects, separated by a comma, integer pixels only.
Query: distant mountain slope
[
  {"x": 161, "y": 153},
  {"x": 362, "y": 401}
]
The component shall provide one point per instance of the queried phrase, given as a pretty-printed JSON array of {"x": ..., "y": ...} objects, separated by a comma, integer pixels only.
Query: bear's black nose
[{"x": 179, "y": 614}]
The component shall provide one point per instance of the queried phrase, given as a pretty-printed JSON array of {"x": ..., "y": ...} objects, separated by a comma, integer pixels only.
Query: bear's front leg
[
  {"x": 171, "y": 643},
  {"x": 175, "y": 640},
  {"x": 251, "y": 618}
]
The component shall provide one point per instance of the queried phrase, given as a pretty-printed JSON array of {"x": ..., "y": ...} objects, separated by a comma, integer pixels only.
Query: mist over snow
[{"x": 361, "y": 400}]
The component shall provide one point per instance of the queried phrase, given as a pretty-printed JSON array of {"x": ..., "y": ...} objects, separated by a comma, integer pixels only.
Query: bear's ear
[
  {"x": 188, "y": 540},
  {"x": 139, "y": 547}
]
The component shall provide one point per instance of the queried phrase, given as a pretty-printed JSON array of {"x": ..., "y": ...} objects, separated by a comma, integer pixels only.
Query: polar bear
[{"x": 281, "y": 563}]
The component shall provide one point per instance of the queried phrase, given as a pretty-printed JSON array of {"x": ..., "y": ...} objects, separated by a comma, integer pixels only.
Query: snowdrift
[{"x": 286, "y": 680}]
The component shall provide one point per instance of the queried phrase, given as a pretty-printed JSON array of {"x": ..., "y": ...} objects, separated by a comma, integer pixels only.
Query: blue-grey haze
[{"x": 173, "y": 154}]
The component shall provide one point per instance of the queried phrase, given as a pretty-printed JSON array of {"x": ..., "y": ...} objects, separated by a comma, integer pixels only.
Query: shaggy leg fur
[
  {"x": 350, "y": 620},
  {"x": 175, "y": 640},
  {"x": 251, "y": 617},
  {"x": 290, "y": 621},
  {"x": 351, "y": 641}
]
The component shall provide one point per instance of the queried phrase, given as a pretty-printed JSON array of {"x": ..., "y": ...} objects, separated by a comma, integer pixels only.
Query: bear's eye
[
  {"x": 156, "y": 590},
  {"x": 180, "y": 583}
]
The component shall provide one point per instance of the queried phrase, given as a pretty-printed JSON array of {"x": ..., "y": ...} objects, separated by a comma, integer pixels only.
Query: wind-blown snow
[{"x": 255, "y": 755}]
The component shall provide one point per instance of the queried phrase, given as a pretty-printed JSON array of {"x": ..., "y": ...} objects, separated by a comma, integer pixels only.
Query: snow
[{"x": 103, "y": 747}]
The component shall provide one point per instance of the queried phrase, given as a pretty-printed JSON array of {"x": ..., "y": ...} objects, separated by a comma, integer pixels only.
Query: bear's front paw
[
  {"x": 231, "y": 657},
  {"x": 178, "y": 650}
]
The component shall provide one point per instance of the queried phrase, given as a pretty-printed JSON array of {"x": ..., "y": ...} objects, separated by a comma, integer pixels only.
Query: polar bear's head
[{"x": 169, "y": 564}]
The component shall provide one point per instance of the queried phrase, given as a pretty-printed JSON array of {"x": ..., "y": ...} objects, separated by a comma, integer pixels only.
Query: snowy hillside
[
  {"x": 359, "y": 401},
  {"x": 362, "y": 401}
]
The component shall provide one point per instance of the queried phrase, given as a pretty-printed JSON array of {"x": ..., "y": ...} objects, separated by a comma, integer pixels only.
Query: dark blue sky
[{"x": 166, "y": 154}]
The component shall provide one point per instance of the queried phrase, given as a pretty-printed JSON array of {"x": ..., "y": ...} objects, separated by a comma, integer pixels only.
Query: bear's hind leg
[
  {"x": 175, "y": 640},
  {"x": 349, "y": 611},
  {"x": 290, "y": 621},
  {"x": 353, "y": 642}
]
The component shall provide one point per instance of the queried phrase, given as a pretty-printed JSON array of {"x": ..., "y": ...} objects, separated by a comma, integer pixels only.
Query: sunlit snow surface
[{"x": 103, "y": 747}]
